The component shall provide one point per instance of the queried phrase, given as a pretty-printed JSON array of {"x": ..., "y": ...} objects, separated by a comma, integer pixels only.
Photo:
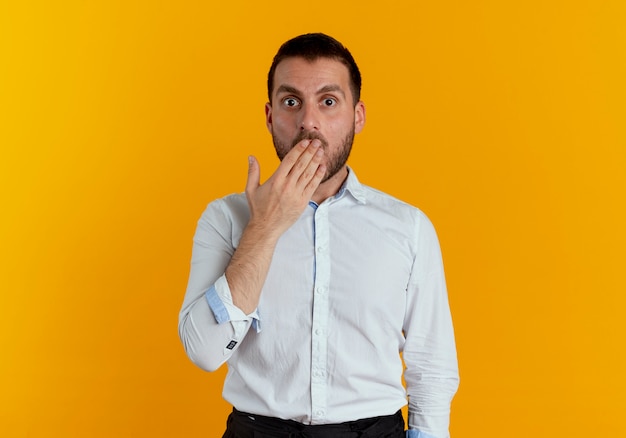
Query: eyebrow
[{"x": 325, "y": 89}]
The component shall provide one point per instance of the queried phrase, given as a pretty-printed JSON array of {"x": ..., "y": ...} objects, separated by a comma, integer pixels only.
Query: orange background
[{"x": 120, "y": 121}]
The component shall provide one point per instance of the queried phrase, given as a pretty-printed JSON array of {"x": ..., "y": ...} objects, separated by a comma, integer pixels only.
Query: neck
[{"x": 330, "y": 187}]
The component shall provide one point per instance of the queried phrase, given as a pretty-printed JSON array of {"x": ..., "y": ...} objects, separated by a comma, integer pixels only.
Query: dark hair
[{"x": 312, "y": 46}]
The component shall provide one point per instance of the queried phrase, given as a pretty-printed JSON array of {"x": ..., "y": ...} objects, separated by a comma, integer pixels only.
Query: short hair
[{"x": 312, "y": 46}]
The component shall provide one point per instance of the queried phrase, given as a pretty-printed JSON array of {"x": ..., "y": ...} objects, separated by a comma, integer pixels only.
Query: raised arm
[{"x": 225, "y": 283}]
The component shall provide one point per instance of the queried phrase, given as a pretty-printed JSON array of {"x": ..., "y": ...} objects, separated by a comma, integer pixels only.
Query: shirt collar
[{"x": 354, "y": 187}]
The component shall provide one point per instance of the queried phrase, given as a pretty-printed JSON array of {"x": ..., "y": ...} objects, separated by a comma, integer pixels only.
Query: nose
[{"x": 309, "y": 117}]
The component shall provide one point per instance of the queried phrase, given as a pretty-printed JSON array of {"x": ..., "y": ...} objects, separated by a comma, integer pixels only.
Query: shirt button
[
  {"x": 319, "y": 413},
  {"x": 319, "y": 331}
]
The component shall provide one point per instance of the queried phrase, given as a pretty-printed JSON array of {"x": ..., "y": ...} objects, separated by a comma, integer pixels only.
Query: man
[{"x": 310, "y": 285}]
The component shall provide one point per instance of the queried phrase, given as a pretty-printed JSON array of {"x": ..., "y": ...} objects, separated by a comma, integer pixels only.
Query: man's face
[{"x": 313, "y": 100}]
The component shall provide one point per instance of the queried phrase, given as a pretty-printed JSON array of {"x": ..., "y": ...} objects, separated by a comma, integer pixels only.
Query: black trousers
[{"x": 243, "y": 425}]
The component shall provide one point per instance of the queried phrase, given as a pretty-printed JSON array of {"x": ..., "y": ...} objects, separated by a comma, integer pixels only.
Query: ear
[
  {"x": 268, "y": 116},
  {"x": 359, "y": 117}
]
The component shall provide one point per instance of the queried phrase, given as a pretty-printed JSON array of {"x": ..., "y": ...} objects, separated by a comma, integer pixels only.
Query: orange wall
[{"x": 120, "y": 121}]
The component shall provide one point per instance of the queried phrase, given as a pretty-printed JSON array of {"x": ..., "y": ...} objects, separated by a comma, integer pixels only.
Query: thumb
[{"x": 254, "y": 174}]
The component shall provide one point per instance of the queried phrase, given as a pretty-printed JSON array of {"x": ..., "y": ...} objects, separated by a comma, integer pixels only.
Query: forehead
[{"x": 309, "y": 76}]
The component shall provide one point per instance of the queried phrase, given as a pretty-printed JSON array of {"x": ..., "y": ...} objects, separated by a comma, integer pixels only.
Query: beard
[{"x": 335, "y": 162}]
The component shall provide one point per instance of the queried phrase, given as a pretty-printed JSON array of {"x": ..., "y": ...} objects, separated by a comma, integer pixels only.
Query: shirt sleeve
[
  {"x": 210, "y": 326},
  {"x": 429, "y": 353}
]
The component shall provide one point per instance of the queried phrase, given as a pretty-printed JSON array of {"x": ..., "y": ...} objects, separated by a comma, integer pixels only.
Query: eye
[
  {"x": 291, "y": 102},
  {"x": 329, "y": 101}
]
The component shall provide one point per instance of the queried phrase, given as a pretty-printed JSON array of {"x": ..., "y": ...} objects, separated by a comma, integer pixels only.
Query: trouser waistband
[{"x": 244, "y": 425}]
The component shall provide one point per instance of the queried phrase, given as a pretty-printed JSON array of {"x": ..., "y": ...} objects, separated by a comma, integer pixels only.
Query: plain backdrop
[{"x": 120, "y": 120}]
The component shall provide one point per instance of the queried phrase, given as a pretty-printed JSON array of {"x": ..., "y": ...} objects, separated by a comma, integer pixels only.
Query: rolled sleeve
[{"x": 220, "y": 301}]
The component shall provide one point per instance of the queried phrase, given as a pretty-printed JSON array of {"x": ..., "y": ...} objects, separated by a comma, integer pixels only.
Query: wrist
[{"x": 262, "y": 232}]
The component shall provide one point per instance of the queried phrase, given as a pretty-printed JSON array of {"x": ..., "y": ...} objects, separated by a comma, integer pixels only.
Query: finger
[
  {"x": 311, "y": 153},
  {"x": 292, "y": 157},
  {"x": 314, "y": 183},
  {"x": 309, "y": 171},
  {"x": 254, "y": 174}
]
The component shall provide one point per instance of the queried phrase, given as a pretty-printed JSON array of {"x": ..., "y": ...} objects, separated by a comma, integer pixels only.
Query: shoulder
[
  {"x": 231, "y": 210},
  {"x": 400, "y": 215},
  {"x": 397, "y": 207},
  {"x": 235, "y": 203}
]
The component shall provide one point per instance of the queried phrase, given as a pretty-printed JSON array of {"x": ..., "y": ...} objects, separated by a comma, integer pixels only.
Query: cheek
[
  {"x": 282, "y": 124},
  {"x": 337, "y": 129}
]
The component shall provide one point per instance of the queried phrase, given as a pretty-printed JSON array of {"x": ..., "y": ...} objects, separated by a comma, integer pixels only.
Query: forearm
[
  {"x": 208, "y": 320},
  {"x": 247, "y": 270},
  {"x": 218, "y": 314}
]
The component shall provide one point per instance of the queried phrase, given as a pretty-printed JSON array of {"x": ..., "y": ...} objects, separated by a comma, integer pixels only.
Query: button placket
[{"x": 319, "y": 392}]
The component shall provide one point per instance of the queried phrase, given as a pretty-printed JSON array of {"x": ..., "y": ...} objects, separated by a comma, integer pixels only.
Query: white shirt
[{"x": 352, "y": 283}]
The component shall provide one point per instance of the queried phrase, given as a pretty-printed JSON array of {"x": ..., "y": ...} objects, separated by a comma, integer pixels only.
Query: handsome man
[{"x": 310, "y": 285}]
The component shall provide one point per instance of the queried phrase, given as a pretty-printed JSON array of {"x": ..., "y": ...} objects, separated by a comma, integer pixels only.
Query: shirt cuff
[
  {"x": 221, "y": 303},
  {"x": 414, "y": 433}
]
